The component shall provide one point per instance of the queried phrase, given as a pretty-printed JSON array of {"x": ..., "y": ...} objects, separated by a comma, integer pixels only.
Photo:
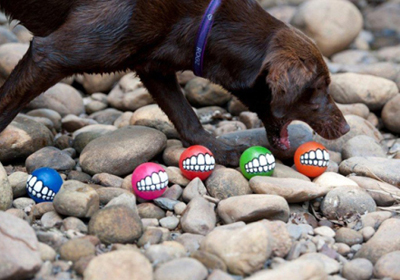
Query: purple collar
[{"x": 202, "y": 35}]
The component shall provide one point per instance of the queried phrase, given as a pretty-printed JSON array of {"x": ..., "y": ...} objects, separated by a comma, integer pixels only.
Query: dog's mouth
[{"x": 281, "y": 139}]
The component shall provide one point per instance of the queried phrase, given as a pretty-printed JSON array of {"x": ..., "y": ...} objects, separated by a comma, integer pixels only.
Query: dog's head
[{"x": 297, "y": 80}]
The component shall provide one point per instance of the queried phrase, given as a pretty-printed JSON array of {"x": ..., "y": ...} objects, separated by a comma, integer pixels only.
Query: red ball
[
  {"x": 149, "y": 181},
  {"x": 311, "y": 159},
  {"x": 197, "y": 161}
]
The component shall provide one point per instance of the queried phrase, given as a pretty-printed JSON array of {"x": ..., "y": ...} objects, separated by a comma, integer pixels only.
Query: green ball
[{"x": 257, "y": 161}]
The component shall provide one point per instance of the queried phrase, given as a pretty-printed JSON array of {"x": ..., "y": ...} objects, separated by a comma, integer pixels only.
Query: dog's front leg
[{"x": 167, "y": 93}]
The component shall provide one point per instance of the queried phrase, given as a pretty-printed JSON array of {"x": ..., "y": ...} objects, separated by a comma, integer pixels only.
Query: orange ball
[{"x": 311, "y": 159}]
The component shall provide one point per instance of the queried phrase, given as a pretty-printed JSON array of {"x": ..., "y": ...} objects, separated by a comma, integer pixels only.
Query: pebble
[
  {"x": 49, "y": 157},
  {"x": 283, "y": 171},
  {"x": 174, "y": 192},
  {"x": 348, "y": 236},
  {"x": 175, "y": 176},
  {"x": 10, "y": 55},
  {"x": 75, "y": 224},
  {"x": 164, "y": 252},
  {"x": 218, "y": 274},
  {"x": 358, "y": 269},
  {"x": 107, "y": 180},
  {"x": 76, "y": 199},
  {"x": 166, "y": 203},
  {"x": 227, "y": 182},
  {"x": 324, "y": 231},
  {"x": 367, "y": 233},
  {"x": 199, "y": 217},
  {"x": 389, "y": 114},
  {"x": 243, "y": 248},
  {"x": 331, "y": 266},
  {"x": 136, "y": 145},
  {"x": 375, "y": 219},
  {"x": 346, "y": 201},
  {"x": 385, "y": 240},
  {"x": 125, "y": 199},
  {"x": 116, "y": 224},
  {"x": 109, "y": 193},
  {"x": 190, "y": 241},
  {"x": 332, "y": 180},
  {"x": 169, "y": 222},
  {"x": 46, "y": 252},
  {"x": 179, "y": 208},
  {"x": 281, "y": 241},
  {"x": 388, "y": 266},
  {"x": 210, "y": 261},
  {"x": 150, "y": 236},
  {"x": 20, "y": 254},
  {"x": 51, "y": 219},
  {"x": 193, "y": 189},
  {"x": 18, "y": 183},
  {"x": 181, "y": 269},
  {"x": 107, "y": 116},
  {"x": 22, "y": 138},
  {"x": 76, "y": 248},
  {"x": 201, "y": 92},
  {"x": 122, "y": 265},
  {"x": 23, "y": 203},
  {"x": 362, "y": 146},
  {"x": 150, "y": 211},
  {"x": 253, "y": 207},
  {"x": 293, "y": 190}
]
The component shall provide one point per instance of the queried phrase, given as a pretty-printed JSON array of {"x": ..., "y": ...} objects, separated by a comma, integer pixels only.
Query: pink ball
[{"x": 149, "y": 181}]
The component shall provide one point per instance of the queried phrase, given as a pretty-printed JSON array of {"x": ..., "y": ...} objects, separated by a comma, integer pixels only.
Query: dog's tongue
[{"x": 284, "y": 138}]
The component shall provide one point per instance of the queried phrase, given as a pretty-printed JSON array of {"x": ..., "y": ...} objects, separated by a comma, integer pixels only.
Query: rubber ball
[
  {"x": 43, "y": 184},
  {"x": 311, "y": 159}
]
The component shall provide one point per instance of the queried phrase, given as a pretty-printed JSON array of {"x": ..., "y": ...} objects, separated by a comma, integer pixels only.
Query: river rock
[
  {"x": 243, "y": 248},
  {"x": 199, "y": 217},
  {"x": 201, "y": 92},
  {"x": 227, "y": 182},
  {"x": 20, "y": 255},
  {"x": 332, "y": 24},
  {"x": 164, "y": 252},
  {"x": 293, "y": 190},
  {"x": 18, "y": 183},
  {"x": 136, "y": 145},
  {"x": 6, "y": 192},
  {"x": 346, "y": 201},
  {"x": 375, "y": 92},
  {"x": 61, "y": 98},
  {"x": 49, "y": 114},
  {"x": 383, "y": 168},
  {"x": 77, "y": 248},
  {"x": 358, "y": 269},
  {"x": 22, "y": 138},
  {"x": 389, "y": 114},
  {"x": 116, "y": 224},
  {"x": 181, "y": 269},
  {"x": 76, "y": 199},
  {"x": 253, "y": 207},
  {"x": 10, "y": 55},
  {"x": 385, "y": 16},
  {"x": 388, "y": 266},
  {"x": 49, "y": 157},
  {"x": 385, "y": 240},
  {"x": 333, "y": 180},
  {"x": 153, "y": 116},
  {"x": 348, "y": 236},
  {"x": 121, "y": 265}
]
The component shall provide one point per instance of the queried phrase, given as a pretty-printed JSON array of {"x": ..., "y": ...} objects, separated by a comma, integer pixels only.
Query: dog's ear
[{"x": 287, "y": 77}]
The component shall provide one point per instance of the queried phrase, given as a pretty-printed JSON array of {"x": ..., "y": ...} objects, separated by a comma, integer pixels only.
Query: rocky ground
[{"x": 96, "y": 129}]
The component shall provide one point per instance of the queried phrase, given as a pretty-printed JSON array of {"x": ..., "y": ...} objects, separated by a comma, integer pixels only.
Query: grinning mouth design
[
  {"x": 318, "y": 158},
  {"x": 264, "y": 163},
  {"x": 37, "y": 189},
  {"x": 155, "y": 182},
  {"x": 201, "y": 163}
]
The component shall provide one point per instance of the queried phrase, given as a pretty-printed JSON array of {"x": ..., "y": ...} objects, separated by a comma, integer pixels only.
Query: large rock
[
  {"x": 227, "y": 182},
  {"x": 293, "y": 190},
  {"x": 343, "y": 202},
  {"x": 390, "y": 114},
  {"x": 362, "y": 146},
  {"x": 116, "y": 224},
  {"x": 383, "y": 168},
  {"x": 199, "y": 217},
  {"x": 61, "y": 98},
  {"x": 83, "y": 136},
  {"x": 49, "y": 157},
  {"x": 332, "y": 24},
  {"x": 6, "y": 192},
  {"x": 22, "y": 138},
  {"x": 388, "y": 266},
  {"x": 243, "y": 248},
  {"x": 385, "y": 240},
  {"x": 121, "y": 265},
  {"x": 201, "y": 92},
  {"x": 121, "y": 151},
  {"x": 153, "y": 116},
  {"x": 385, "y": 16},
  {"x": 253, "y": 207},
  {"x": 296, "y": 270},
  {"x": 19, "y": 254},
  {"x": 358, "y": 126},
  {"x": 375, "y": 92}
]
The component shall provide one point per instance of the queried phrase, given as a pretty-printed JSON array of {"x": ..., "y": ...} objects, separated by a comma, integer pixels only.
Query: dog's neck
[{"x": 241, "y": 29}]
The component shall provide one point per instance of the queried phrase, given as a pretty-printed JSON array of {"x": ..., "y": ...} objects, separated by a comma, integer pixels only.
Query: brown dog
[{"x": 272, "y": 68}]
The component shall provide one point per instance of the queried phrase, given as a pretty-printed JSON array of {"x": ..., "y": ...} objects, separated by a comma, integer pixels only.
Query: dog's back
[{"x": 41, "y": 17}]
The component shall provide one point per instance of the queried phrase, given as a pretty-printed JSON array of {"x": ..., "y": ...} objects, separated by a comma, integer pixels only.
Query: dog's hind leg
[
  {"x": 167, "y": 93},
  {"x": 34, "y": 74}
]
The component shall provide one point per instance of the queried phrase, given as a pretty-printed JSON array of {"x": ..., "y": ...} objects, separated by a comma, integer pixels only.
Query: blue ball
[{"x": 43, "y": 184}]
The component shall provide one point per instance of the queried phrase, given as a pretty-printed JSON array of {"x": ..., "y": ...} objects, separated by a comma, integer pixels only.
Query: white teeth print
[
  {"x": 315, "y": 158},
  {"x": 36, "y": 188},
  {"x": 156, "y": 181},
  {"x": 200, "y": 163},
  {"x": 263, "y": 163}
]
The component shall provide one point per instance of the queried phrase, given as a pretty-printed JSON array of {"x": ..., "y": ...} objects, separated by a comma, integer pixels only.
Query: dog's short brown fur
[{"x": 272, "y": 68}]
